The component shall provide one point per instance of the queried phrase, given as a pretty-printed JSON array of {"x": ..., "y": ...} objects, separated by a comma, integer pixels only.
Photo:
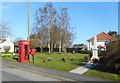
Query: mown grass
[
  {"x": 41, "y": 60},
  {"x": 57, "y": 64},
  {"x": 100, "y": 72}
]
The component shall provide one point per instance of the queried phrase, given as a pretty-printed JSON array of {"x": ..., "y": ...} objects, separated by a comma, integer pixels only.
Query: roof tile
[{"x": 102, "y": 36}]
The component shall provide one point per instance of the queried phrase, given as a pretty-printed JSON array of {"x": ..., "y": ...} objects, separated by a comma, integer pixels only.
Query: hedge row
[{"x": 85, "y": 51}]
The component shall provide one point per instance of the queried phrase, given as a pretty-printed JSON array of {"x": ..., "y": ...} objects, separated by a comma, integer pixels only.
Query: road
[{"x": 13, "y": 74}]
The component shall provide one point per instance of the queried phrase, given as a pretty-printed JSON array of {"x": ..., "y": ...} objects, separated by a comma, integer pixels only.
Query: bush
[
  {"x": 90, "y": 54},
  {"x": 59, "y": 53},
  {"x": 49, "y": 59},
  {"x": 6, "y": 48},
  {"x": 84, "y": 51},
  {"x": 44, "y": 60},
  {"x": 111, "y": 58},
  {"x": 63, "y": 59},
  {"x": 86, "y": 58},
  {"x": 73, "y": 59}
]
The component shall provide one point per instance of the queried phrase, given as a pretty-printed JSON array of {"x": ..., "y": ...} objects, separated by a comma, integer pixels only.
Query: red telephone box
[{"x": 23, "y": 51}]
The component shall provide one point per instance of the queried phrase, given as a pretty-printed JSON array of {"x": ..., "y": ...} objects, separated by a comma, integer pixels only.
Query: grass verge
[
  {"x": 100, "y": 72},
  {"x": 54, "y": 60}
]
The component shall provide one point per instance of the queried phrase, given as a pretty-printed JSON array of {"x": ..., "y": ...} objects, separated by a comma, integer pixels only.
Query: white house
[
  {"x": 7, "y": 42},
  {"x": 102, "y": 39}
]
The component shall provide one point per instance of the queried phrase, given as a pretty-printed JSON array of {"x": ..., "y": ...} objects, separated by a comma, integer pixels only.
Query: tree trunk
[
  {"x": 60, "y": 40},
  {"x": 49, "y": 39},
  {"x": 65, "y": 46},
  {"x": 60, "y": 47},
  {"x": 41, "y": 46},
  {"x": 52, "y": 46},
  {"x": 65, "y": 53},
  {"x": 49, "y": 47},
  {"x": 55, "y": 45}
]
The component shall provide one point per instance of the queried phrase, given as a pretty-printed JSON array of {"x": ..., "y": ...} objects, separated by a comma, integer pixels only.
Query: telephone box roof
[{"x": 23, "y": 41}]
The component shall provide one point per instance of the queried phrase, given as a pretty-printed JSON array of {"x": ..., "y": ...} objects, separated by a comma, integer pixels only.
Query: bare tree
[
  {"x": 33, "y": 41},
  {"x": 39, "y": 28},
  {"x": 51, "y": 27},
  {"x": 45, "y": 20},
  {"x": 65, "y": 24},
  {"x": 4, "y": 30},
  {"x": 51, "y": 16},
  {"x": 17, "y": 40}
]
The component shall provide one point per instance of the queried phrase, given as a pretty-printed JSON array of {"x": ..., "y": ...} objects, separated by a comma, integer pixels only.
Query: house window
[
  {"x": 91, "y": 48},
  {"x": 99, "y": 48},
  {"x": 92, "y": 43}
]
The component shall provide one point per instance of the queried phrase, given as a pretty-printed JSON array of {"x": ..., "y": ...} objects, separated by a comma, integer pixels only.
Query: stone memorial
[{"x": 95, "y": 49}]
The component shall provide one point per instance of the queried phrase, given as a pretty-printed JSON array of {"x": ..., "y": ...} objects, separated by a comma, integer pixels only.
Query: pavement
[
  {"x": 83, "y": 69},
  {"x": 61, "y": 75}
]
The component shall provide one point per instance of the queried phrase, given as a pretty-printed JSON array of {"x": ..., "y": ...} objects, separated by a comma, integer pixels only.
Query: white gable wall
[
  {"x": 7, "y": 43},
  {"x": 99, "y": 42}
]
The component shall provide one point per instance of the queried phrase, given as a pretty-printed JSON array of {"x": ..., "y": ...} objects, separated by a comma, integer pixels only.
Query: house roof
[
  {"x": 3, "y": 41},
  {"x": 102, "y": 36},
  {"x": 99, "y": 46},
  {"x": 83, "y": 46}
]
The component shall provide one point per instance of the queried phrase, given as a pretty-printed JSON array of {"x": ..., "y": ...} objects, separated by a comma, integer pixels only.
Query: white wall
[
  {"x": 7, "y": 43},
  {"x": 99, "y": 42}
]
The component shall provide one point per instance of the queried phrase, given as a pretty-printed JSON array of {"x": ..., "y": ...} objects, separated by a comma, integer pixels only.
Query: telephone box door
[{"x": 23, "y": 51}]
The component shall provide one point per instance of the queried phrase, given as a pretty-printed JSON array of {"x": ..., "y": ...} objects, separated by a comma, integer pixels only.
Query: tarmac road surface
[{"x": 13, "y": 74}]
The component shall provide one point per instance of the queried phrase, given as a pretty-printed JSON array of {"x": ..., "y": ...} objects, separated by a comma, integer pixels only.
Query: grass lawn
[
  {"x": 101, "y": 72},
  {"x": 55, "y": 61},
  {"x": 57, "y": 64}
]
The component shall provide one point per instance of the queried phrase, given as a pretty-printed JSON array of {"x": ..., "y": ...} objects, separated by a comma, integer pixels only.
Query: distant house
[
  {"x": 102, "y": 39},
  {"x": 6, "y": 42},
  {"x": 83, "y": 47}
]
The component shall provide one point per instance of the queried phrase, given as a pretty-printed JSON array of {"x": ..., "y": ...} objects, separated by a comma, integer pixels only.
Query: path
[{"x": 83, "y": 69}]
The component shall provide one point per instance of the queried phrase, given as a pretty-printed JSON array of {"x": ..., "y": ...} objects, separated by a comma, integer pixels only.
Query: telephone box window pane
[
  {"x": 20, "y": 52},
  {"x": 26, "y": 51}
]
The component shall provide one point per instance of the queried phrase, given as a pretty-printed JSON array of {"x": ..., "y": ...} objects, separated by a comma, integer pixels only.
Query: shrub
[
  {"x": 73, "y": 59},
  {"x": 49, "y": 59},
  {"x": 44, "y": 60},
  {"x": 85, "y": 57},
  {"x": 84, "y": 51},
  {"x": 63, "y": 59},
  {"x": 59, "y": 53},
  {"x": 6, "y": 48},
  {"x": 90, "y": 54},
  {"x": 111, "y": 58}
]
